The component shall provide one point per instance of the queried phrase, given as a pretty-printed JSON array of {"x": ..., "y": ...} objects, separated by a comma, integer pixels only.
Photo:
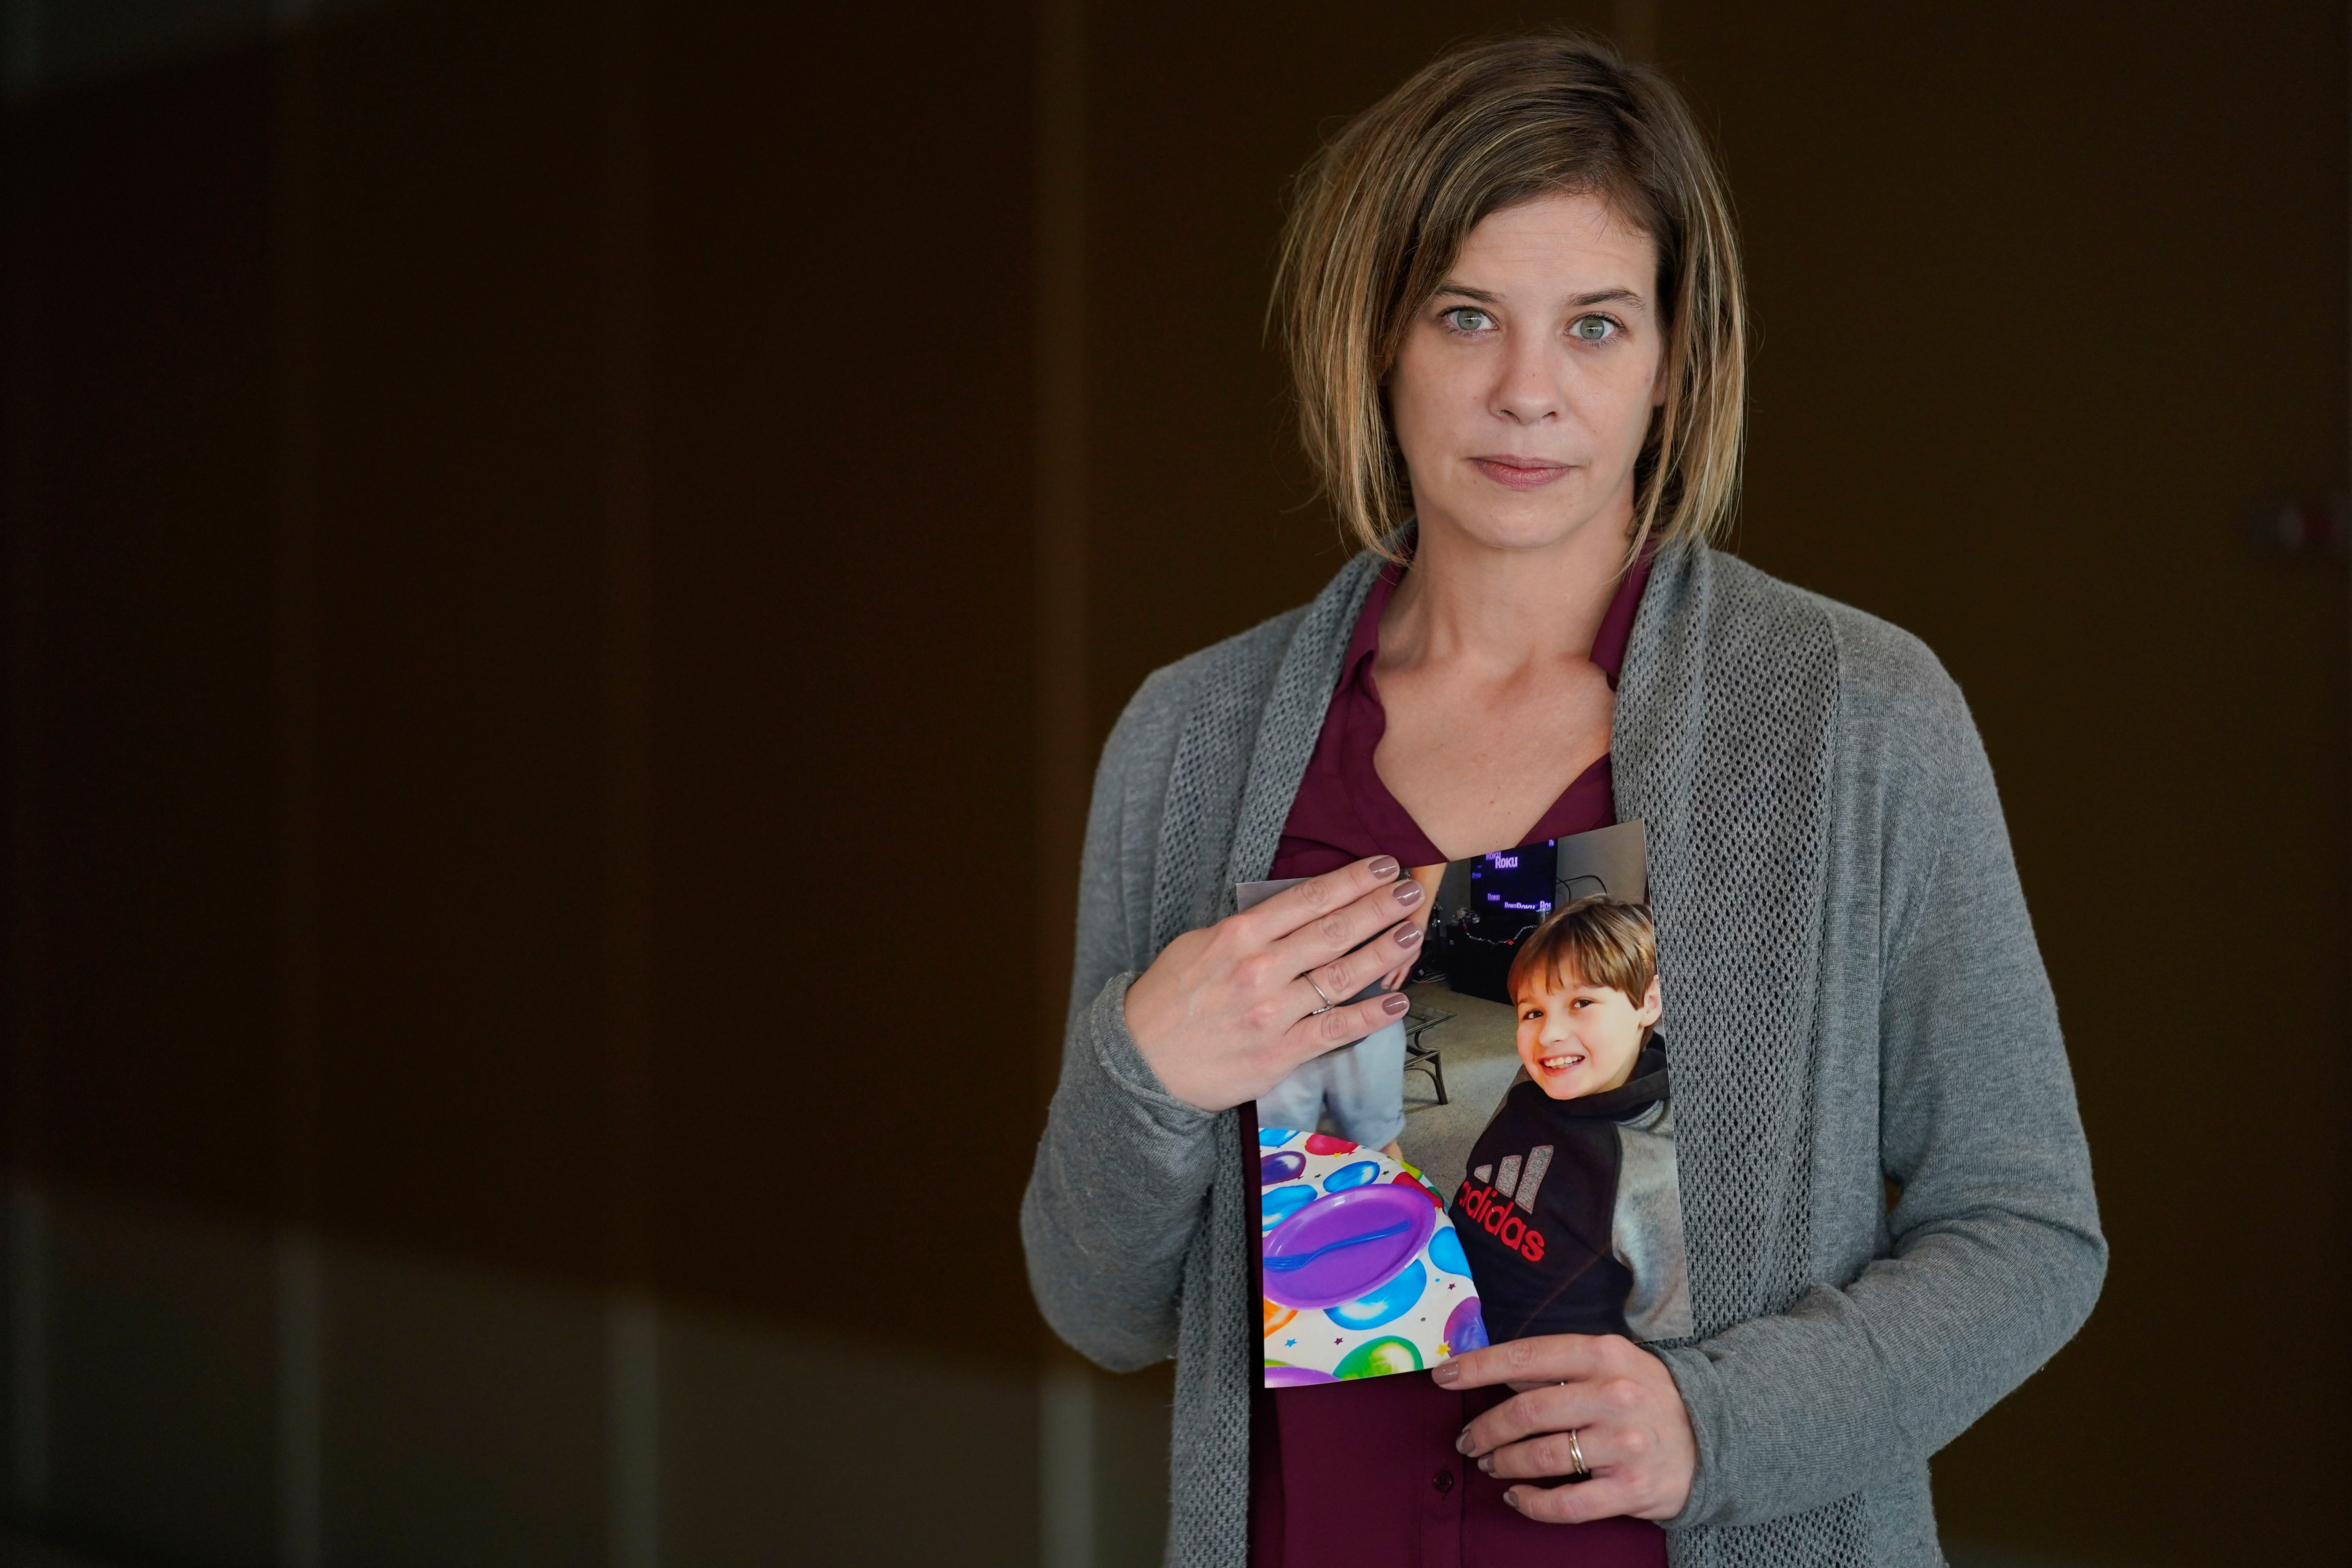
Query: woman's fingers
[
  {"x": 1604, "y": 1497},
  {"x": 1621, "y": 1454},
  {"x": 1540, "y": 1412},
  {"x": 1571, "y": 1380},
  {"x": 1395, "y": 979},
  {"x": 1392, "y": 951},
  {"x": 1620, "y": 1402},
  {"x": 1549, "y": 1455},
  {"x": 1317, "y": 898},
  {"x": 1221, "y": 1014},
  {"x": 1328, "y": 936},
  {"x": 1545, "y": 1358},
  {"x": 1317, "y": 1033}
]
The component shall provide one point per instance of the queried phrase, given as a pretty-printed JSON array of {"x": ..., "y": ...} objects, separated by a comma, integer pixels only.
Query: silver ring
[
  {"x": 1576, "y": 1458},
  {"x": 1328, "y": 1003}
]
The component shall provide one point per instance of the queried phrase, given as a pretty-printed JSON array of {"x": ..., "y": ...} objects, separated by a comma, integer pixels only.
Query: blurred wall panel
[
  {"x": 150, "y": 491},
  {"x": 464, "y": 1417},
  {"x": 143, "y": 1073},
  {"x": 52, "y": 41},
  {"x": 458, "y": 165},
  {"x": 2050, "y": 301},
  {"x": 844, "y": 869},
  {"x": 320, "y": 352},
  {"x": 813, "y": 1447},
  {"x": 162, "y": 1347},
  {"x": 453, "y": 208}
]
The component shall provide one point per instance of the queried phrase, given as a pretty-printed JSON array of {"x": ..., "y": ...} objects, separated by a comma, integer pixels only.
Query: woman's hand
[
  {"x": 1619, "y": 1400},
  {"x": 1223, "y": 1015}
]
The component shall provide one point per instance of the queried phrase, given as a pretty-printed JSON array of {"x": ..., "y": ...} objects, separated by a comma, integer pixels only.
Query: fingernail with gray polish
[
  {"x": 1408, "y": 935},
  {"x": 1384, "y": 868},
  {"x": 1409, "y": 893}
]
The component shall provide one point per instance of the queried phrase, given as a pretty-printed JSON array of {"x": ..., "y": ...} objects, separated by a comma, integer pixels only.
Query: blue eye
[
  {"x": 1592, "y": 328},
  {"x": 1465, "y": 318}
]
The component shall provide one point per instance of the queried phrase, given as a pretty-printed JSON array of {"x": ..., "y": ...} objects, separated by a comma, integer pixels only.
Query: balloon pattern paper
[{"x": 1363, "y": 1274}]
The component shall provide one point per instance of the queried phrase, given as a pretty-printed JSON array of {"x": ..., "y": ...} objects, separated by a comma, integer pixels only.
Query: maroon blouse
[{"x": 1363, "y": 1473}]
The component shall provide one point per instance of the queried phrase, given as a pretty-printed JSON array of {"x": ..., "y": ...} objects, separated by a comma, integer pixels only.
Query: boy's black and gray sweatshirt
[{"x": 1856, "y": 997}]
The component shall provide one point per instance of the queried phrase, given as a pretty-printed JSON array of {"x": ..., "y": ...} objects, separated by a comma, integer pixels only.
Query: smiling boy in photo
[{"x": 1571, "y": 1214}]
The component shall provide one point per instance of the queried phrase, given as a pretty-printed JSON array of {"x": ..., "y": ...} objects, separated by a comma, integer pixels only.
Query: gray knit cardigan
[{"x": 1857, "y": 1006}]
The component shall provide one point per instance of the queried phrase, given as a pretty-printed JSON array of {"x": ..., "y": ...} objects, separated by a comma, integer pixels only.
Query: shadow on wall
[
  {"x": 465, "y": 1415},
  {"x": 22, "y": 1551}
]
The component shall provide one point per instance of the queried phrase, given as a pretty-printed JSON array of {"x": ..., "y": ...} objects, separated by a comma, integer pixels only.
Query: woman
[{"x": 1513, "y": 311}]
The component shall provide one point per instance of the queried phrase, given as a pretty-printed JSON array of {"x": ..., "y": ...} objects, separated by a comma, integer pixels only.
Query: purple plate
[
  {"x": 1294, "y": 1376},
  {"x": 1337, "y": 1247}
]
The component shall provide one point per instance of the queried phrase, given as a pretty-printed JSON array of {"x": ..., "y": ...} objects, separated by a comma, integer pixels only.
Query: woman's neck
[{"x": 1471, "y": 604}]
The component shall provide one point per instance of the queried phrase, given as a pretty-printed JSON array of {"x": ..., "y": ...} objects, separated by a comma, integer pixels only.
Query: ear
[{"x": 1654, "y": 1006}]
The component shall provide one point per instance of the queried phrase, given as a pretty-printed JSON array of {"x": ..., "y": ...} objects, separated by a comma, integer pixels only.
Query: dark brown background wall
[
  {"x": 2049, "y": 308},
  {"x": 540, "y": 543},
  {"x": 520, "y": 775},
  {"x": 842, "y": 394},
  {"x": 835, "y": 584}
]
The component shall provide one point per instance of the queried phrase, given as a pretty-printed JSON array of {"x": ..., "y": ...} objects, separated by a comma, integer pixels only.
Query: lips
[
  {"x": 1514, "y": 471},
  {"x": 1560, "y": 1064}
]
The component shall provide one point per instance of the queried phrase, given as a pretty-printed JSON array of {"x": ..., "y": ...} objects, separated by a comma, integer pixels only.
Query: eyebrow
[{"x": 1600, "y": 296}]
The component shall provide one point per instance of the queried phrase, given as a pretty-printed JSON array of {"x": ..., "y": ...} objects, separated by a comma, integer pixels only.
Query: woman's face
[{"x": 1524, "y": 387}]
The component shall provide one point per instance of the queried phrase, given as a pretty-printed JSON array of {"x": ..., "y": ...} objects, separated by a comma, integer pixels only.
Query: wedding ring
[
  {"x": 1328, "y": 1003},
  {"x": 1576, "y": 1458}
]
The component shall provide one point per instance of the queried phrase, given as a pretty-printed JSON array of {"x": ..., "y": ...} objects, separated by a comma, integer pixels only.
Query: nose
[{"x": 1529, "y": 390}]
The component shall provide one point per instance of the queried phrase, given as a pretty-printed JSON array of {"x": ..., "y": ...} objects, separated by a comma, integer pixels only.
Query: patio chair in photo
[{"x": 1420, "y": 1058}]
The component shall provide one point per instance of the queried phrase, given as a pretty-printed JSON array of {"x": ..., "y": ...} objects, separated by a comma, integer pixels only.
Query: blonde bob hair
[{"x": 1379, "y": 217}]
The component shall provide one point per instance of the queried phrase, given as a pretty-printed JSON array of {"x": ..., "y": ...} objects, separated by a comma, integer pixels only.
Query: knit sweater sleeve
[
  {"x": 1123, "y": 1173},
  {"x": 1993, "y": 1255}
]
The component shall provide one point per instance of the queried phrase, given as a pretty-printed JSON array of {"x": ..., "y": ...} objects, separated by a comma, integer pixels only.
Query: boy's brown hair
[{"x": 1593, "y": 942}]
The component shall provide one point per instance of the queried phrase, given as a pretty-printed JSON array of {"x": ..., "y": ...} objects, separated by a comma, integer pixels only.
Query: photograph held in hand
[{"x": 1551, "y": 1128}]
